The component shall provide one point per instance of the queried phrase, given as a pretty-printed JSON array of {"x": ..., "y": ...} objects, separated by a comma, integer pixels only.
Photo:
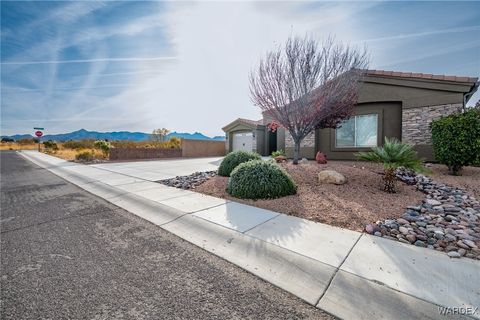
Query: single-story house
[{"x": 391, "y": 104}]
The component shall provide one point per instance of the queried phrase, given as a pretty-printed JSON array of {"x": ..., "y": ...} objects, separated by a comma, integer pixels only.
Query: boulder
[
  {"x": 321, "y": 158},
  {"x": 331, "y": 176},
  {"x": 304, "y": 160}
]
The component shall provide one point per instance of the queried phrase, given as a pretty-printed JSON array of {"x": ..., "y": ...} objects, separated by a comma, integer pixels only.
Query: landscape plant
[
  {"x": 303, "y": 85},
  {"x": 85, "y": 156},
  {"x": 104, "y": 146},
  {"x": 456, "y": 139},
  {"x": 50, "y": 146},
  {"x": 277, "y": 153},
  {"x": 258, "y": 179},
  {"x": 393, "y": 154},
  {"x": 233, "y": 159}
]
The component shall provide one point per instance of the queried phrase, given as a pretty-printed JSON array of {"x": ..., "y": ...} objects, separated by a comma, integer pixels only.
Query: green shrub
[
  {"x": 233, "y": 159},
  {"x": 104, "y": 146},
  {"x": 393, "y": 154},
  {"x": 85, "y": 156},
  {"x": 277, "y": 153},
  {"x": 257, "y": 179},
  {"x": 456, "y": 140}
]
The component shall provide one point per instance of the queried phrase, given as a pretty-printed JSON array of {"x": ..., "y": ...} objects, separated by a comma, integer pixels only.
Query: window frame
[{"x": 379, "y": 114}]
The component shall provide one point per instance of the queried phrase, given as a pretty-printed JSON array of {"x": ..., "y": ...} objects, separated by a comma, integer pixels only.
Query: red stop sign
[{"x": 39, "y": 133}]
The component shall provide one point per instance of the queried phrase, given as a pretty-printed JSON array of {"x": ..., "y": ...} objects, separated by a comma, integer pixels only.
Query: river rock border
[
  {"x": 189, "y": 182},
  {"x": 448, "y": 219}
]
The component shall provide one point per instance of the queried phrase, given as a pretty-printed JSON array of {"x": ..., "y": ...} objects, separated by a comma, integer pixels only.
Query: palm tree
[{"x": 393, "y": 154}]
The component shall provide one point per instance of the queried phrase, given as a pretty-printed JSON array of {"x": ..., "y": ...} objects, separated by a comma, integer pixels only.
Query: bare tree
[
  {"x": 304, "y": 86},
  {"x": 159, "y": 135}
]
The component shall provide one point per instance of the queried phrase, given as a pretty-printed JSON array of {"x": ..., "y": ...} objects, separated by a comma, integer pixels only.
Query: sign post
[{"x": 38, "y": 133}]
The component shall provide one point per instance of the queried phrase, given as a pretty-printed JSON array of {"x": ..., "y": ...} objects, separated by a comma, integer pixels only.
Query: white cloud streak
[
  {"x": 422, "y": 34},
  {"x": 89, "y": 60}
]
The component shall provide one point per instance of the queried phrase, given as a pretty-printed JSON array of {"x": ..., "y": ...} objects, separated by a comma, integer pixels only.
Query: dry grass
[
  {"x": 17, "y": 146},
  {"x": 69, "y": 154}
]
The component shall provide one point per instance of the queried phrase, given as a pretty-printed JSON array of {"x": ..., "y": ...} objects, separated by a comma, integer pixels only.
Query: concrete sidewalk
[{"x": 346, "y": 273}]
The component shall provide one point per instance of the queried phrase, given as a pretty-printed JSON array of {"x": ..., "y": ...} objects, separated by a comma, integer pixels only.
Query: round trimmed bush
[
  {"x": 456, "y": 139},
  {"x": 235, "y": 158},
  {"x": 257, "y": 179}
]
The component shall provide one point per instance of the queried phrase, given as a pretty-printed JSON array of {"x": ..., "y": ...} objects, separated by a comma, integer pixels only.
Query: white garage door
[{"x": 242, "y": 141}]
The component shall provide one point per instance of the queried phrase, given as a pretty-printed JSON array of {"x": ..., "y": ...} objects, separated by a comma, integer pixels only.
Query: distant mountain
[
  {"x": 185, "y": 135},
  {"x": 118, "y": 135},
  {"x": 20, "y": 136}
]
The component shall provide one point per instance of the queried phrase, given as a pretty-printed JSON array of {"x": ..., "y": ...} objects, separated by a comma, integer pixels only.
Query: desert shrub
[
  {"x": 104, "y": 146},
  {"x": 50, "y": 146},
  {"x": 258, "y": 179},
  {"x": 233, "y": 159},
  {"x": 173, "y": 143},
  {"x": 27, "y": 141},
  {"x": 79, "y": 144},
  {"x": 277, "y": 153},
  {"x": 456, "y": 139},
  {"x": 393, "y": 154},
  {"x": 85, "y": 156}
]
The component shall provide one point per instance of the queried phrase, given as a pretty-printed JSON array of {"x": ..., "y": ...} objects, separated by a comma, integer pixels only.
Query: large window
[{"x": 357, "y": 132}]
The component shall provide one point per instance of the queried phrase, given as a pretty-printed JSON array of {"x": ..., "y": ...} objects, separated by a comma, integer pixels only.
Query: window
[{"x": 357, "y": 132}]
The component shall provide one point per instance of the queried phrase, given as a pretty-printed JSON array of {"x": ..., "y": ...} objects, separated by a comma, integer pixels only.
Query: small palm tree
[{"x": 393, "y": 154}]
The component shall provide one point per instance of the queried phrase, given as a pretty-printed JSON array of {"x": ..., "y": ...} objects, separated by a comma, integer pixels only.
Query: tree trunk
[
  {"x": 389, "y": 180},
  {"x": 296, "y": 152},
  {"x": 455, "y": 169}
]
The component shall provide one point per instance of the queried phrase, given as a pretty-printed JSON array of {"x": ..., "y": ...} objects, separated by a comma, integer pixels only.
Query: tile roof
[
  {"x": 417, "y": 75},
  {"x": 251, "y": 122}
]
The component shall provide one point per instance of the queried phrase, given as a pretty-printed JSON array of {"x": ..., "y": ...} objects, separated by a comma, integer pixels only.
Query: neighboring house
[{"x": 391, "y": 104}]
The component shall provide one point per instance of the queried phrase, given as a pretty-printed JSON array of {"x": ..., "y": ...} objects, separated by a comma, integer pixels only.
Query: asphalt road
[{"x": 66, "y": 254}]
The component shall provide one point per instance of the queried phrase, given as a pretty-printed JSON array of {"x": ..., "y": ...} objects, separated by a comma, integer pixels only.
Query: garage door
[{"x": 242, "y": 141}]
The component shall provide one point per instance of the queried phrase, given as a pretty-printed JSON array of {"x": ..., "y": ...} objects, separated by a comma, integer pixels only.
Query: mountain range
[{"x": 117, "y": 135}]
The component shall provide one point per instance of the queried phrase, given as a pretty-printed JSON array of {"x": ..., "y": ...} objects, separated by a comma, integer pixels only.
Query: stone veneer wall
[
  {"x": 416, "y": 122},
  {"x": 308, "y": 141}
]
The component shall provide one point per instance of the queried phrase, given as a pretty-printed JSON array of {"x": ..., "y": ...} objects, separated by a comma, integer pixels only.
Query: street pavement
[{"x": 66, "y": 254}]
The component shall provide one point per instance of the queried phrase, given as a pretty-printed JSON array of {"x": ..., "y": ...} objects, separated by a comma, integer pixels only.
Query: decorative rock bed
[
  {"x": 448, "y": 219},
  {"x": 190, "y": 181}
]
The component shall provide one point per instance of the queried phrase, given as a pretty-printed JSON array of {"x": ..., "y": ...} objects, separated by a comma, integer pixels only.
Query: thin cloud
[
  {"x": 423, "y": 34},
  {"x": 89, "y": 60}
]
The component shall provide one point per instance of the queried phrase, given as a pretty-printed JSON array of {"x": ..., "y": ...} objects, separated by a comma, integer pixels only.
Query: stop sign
[{"x": 39, "y": 133}]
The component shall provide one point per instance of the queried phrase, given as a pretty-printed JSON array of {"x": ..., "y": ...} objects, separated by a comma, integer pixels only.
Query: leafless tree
[
  {"x": 159, "y": 135},
  {"x": 303, "y": 85}
]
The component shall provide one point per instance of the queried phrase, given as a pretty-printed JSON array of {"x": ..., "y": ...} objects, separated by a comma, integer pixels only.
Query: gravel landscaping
[
  {"x": 448, "y": 219},
  {"x": 346, "y": 205},
  {"x": 439, "y": 212},
  {"x": 190, "y": 181}
]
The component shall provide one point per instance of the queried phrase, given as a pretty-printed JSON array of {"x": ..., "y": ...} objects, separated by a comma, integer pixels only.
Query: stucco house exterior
[{"x": 390, "y": 104}]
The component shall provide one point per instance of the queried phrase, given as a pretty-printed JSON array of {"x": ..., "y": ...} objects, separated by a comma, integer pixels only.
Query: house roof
[
  {"x": 416, "y": 75},
  {"x": 248, "y": 122}
]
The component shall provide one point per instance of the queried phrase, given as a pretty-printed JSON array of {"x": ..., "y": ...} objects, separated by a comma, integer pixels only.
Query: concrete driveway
[{"x": 154, "y": 170}]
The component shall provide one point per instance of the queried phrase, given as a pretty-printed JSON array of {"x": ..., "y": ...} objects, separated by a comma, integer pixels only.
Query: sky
[{"x": 137, "y": 66}]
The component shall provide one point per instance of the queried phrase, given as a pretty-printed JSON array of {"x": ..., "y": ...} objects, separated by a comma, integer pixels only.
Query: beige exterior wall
[
  {"x": 202, "y": 148},
  {"x": 416, "y": 122}
]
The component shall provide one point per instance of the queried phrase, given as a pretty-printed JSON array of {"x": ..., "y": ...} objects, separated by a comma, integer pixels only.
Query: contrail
[
  {"x": 88, "y": 60},
  {"x": 423, "y": 34}
]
